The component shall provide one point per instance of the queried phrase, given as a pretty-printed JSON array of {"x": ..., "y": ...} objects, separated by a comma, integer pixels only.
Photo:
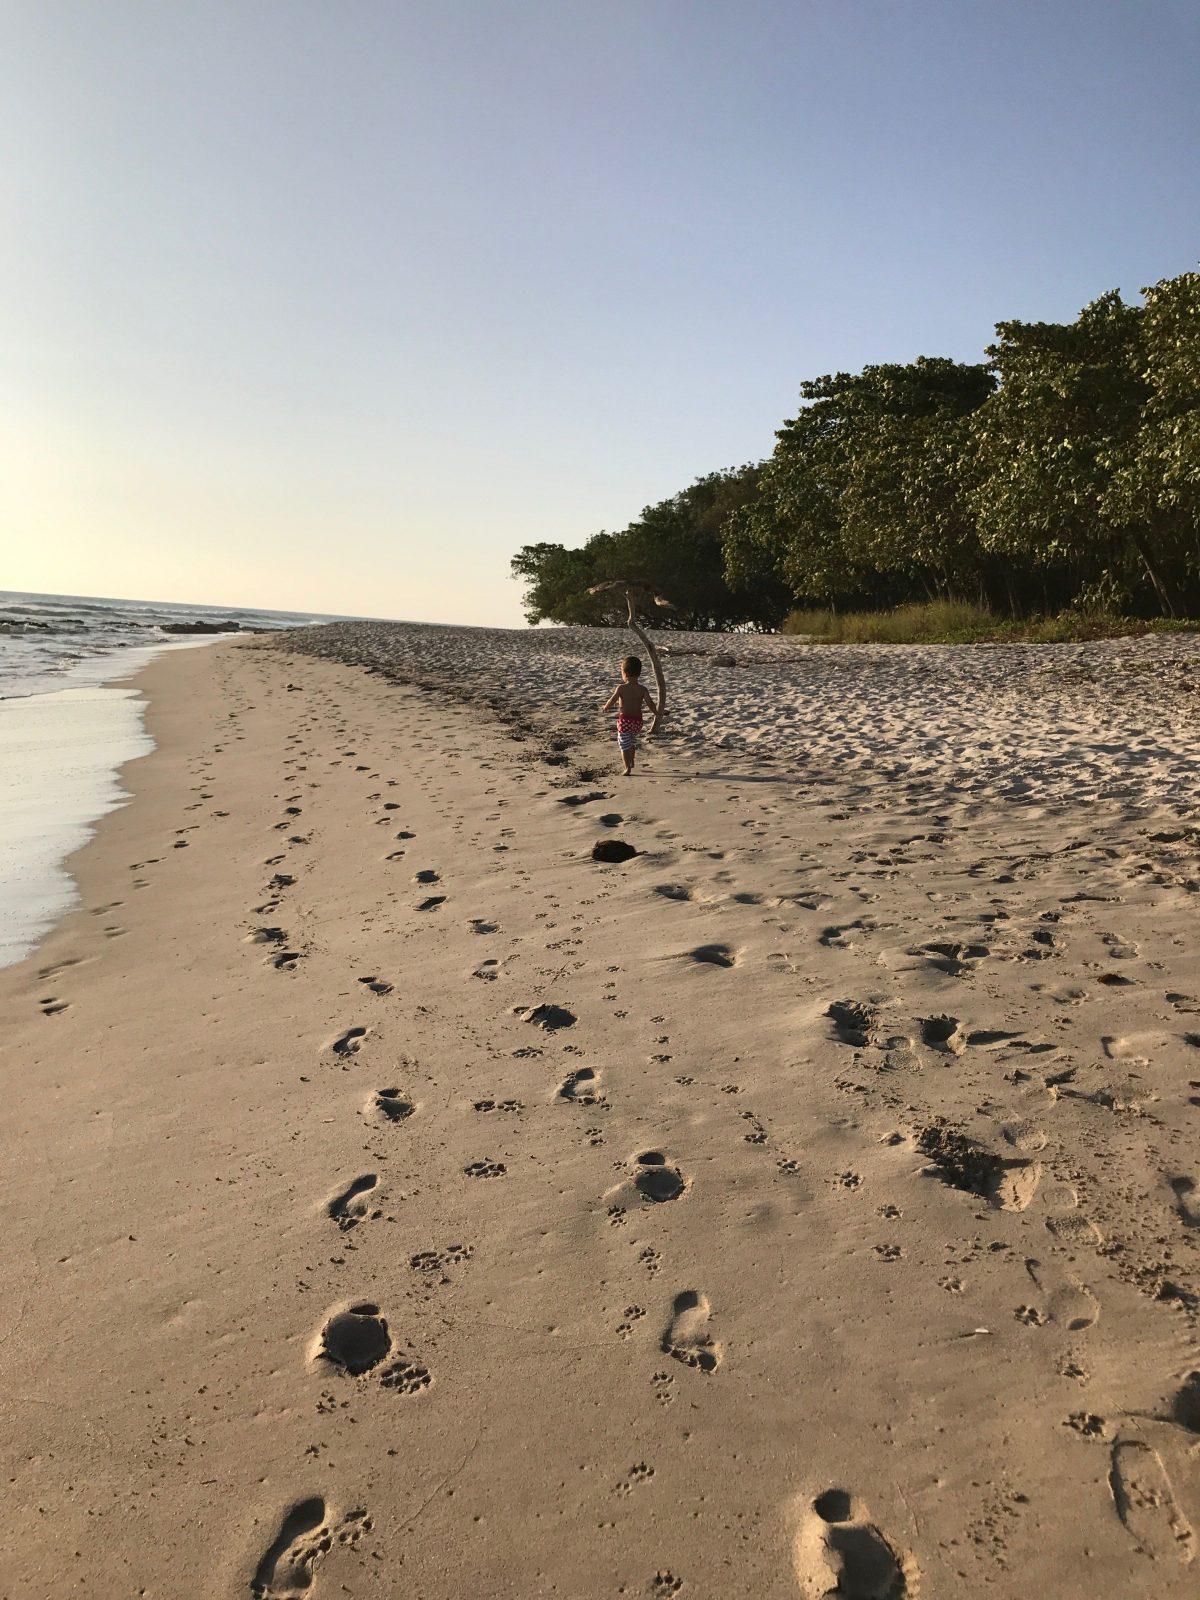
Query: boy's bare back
[{"x": 631, "y": 697}]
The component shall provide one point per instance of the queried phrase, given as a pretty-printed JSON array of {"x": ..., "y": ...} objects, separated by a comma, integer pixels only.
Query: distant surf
[{"x": 44, "y": 637}]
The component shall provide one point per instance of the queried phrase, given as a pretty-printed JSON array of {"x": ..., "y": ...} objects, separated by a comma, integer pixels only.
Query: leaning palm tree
[{"x": 638, "y": 593}]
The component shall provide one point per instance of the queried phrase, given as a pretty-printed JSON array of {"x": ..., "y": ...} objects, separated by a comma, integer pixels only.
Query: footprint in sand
[
  {"x": 1008, "y": 1183},
  {"x": 1023, "y": 1135},
  {"x": 713, "y": 955},
  {"x": 431, "y": 902},
  {"x": 991, "y": 1038},
  {"x": 286, "y": 1569},
  {"x": 347, "y": 1044},
  {"x": 1071, "y": 1227},
  {"x": 943, "y": 1033},
  {"x": 581, "y": 1088},
  {"x": 839, "y": 1551},
  {"x": 59, "y": 967},
  {"x": 547, "y": 1017},
  {"x": 1185, "y": 1407},
  {"x": 1146, "y": 1503},
  {"x": 1187, "y": 1202},
  {"x": 687, "y": 1337},
  {"x": 377, "y": 985},
  {"x": 613, "y": 851},
  {"x": 391, "y": 1104},
  {"x": 656, "y": 1179},
  {"x": 355, "y": 1340},
  {"x": 853, "y": 1022},
  {"x": 953, "y": 959},
  {"x": 1067, "y": 1302},
  {"x": 350, "y": 1205}
]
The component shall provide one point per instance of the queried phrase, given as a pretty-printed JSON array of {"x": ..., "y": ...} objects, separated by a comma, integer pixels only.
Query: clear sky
[{"x": 330, "y": 306}]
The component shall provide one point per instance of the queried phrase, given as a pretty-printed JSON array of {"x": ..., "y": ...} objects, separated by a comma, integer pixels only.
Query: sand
[{"x": 401, "y": 1203}]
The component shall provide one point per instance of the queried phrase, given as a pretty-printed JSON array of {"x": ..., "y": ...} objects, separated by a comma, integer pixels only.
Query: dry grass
[{"x": 960, "y": 622}]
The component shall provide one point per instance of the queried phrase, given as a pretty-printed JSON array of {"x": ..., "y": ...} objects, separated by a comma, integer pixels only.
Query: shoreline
[
  {"x": 650, "y": 1289},
  {"x": 64, "y": 753}
]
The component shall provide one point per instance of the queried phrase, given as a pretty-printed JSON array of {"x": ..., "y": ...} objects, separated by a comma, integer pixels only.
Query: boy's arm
[
  {"x": 648, "y": 699},
  {"x": 610, "y": 702}
]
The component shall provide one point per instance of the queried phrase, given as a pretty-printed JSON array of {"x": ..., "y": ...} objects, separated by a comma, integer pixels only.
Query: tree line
[{"x": 1062, "y": 471}]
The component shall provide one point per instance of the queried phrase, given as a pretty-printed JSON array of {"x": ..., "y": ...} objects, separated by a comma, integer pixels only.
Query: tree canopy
[
  {"x": 675, "y": 547},
  {"x": 1064, "y": 469}
]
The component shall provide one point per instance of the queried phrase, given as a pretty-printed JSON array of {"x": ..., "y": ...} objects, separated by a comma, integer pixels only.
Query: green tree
[
  {"x": 675, "y": 548},
  {"x": 862, "y": 501},
  {"x": 1155, "y": 487},
  {"x": 1047, "y": 446},
  {"x": 556, "y": 583}
]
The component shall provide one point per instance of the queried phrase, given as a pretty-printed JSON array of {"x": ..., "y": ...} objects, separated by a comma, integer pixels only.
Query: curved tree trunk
[
  {"x": 1161, "y": 587},
  {"x": 659, "y": 680}
]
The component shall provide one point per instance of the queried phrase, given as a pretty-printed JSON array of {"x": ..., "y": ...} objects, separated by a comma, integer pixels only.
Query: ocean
[{"x": 67, "y": 727}]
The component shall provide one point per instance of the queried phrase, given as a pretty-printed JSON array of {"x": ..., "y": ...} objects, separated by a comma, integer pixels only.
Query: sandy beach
[{"x": 402, "y": 1203}]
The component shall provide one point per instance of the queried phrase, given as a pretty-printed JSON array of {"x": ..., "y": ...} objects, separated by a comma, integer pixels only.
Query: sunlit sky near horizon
[{"x": 330, "y": 307}]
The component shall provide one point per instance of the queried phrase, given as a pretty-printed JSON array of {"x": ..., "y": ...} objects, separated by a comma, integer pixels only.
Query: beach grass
[{"x": 962, "y": 622}]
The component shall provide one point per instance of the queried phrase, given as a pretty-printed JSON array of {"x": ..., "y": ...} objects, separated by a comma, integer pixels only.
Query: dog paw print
[
  {"x": 485, "y": 1169},
  {"x": 405, "y": 1376},
  {"x": 629, "y": 1316},
  {"x": 638, "y": 1473}
]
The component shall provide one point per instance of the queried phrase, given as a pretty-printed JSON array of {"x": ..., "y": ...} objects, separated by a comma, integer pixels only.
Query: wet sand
[{"x": 401, "y": 1202}]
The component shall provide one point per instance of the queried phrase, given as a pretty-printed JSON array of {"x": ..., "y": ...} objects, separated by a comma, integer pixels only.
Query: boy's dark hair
[{"x": 632, "y": 666}]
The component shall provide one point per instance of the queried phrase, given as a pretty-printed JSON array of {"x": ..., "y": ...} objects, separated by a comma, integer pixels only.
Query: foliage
[
  {"x": 1044, "y": 450},
  {"x": 557, "y": 581},
  {"x": 961, "y": 622},
  {"x": 1155, "y": 487},
  {"x": 674, "y": 547},
  {"x": 862, "y": 498},
  {"x": 936, "y": 622},
  {"x": 1058, "y": 479}
]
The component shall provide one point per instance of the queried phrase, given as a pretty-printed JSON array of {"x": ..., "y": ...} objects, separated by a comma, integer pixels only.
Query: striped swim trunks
[{"x": 628, "y": 729}]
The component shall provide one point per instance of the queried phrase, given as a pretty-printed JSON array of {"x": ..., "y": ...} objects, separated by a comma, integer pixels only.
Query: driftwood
[{"x": 637, "y": 593}]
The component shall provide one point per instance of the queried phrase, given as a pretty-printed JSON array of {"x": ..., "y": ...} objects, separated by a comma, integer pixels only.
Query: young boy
[{"x": 627, "y": 699}]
